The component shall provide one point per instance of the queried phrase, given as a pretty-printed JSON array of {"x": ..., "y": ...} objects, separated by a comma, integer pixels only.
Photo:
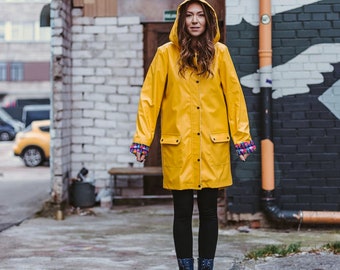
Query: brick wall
[
  {"x": 107, "y": 73},
  {"x": 306, "y": 72},
  {"x": 61, "y": 115},
  {"x": 98, "y": 72}
]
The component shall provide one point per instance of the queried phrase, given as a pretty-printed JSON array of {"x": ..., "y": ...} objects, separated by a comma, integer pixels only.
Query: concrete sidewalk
[{"x": 141, "y": 238}]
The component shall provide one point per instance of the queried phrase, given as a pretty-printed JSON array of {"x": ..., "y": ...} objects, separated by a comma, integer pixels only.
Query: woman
[{"x": 193, "y": 83}]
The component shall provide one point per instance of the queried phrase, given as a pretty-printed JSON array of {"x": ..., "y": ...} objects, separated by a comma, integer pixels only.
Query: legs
[
  {"x": 182, "y": 227},
  {"x": 208, "y": 228}
]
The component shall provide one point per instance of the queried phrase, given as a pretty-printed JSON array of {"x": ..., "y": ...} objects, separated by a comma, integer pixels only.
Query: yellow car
[{"x": 33, "y": 143}]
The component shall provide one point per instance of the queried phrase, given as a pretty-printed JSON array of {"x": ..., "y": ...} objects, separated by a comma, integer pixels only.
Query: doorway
[{"x": 155, "y": 35}]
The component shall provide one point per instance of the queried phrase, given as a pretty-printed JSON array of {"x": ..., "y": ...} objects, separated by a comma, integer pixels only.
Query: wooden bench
[{"x": 131, "y": 171}]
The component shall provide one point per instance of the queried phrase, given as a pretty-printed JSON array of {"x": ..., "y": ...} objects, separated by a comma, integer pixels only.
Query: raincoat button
[
  {"x": 197, "y": 81},
  {"x": 199, "y": 186},
  {"x": 198, "y": 107},
  {"x": 198, "y": 133},
  {"x": 198, "y": 160}
]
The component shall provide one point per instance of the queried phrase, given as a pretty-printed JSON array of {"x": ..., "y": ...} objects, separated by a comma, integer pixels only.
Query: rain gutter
[{"x": 267, "y": 145}]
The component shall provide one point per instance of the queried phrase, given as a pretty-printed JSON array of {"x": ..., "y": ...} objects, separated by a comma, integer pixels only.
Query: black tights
[{"x": 208, "y": 226}]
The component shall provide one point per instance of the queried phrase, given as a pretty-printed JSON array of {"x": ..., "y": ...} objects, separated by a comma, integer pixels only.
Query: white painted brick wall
[
  {"x": 61, "y": 133},
  {"x": 107, "y": 56}
]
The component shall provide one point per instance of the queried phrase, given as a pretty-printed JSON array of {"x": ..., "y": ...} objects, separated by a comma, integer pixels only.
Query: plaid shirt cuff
[
  {"x": 245, "y": 148},
  {"x": 139, "y": 148}
]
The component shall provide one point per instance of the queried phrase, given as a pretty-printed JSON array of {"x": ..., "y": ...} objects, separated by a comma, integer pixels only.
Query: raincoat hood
[{"x": 173, "y": 33}]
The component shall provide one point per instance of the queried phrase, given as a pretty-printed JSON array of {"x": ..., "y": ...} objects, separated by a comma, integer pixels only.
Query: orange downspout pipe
[
  {"x": 265, "y": 60},
  {"x": 267, "y": 145}
]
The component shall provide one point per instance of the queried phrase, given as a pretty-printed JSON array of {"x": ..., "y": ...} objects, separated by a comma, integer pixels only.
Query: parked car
[
  {"x": 8, "y": 126},
  {"x": 35, "y": 112},
  {"x": 7, "y": 132},
  {"x": 33, "y": 143}
]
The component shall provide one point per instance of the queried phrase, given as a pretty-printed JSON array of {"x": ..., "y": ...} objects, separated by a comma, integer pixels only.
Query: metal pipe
[
  {"x": 265, "y": 60},
  {"x": 320, "y": 217},
  {"x": 267, "y": 145}
]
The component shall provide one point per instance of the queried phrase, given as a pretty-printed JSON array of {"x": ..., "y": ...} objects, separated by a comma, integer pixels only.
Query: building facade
[
  {"x": 98, "y": 60},
  {"x": 24, "y": 51}
]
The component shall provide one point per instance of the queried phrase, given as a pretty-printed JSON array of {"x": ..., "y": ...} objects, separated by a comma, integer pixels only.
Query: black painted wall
[{"x": 306, "y": 133}]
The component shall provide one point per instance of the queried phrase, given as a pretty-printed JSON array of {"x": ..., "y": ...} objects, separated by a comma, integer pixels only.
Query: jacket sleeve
[
  {"x": 236, "y": 105},
  {"x": 151, "y": 99}
]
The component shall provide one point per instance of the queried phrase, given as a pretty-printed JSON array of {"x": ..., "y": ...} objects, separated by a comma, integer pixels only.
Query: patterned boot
[
  {"x": 205, "y": 264},
  {"x": 186, "y": 264}
]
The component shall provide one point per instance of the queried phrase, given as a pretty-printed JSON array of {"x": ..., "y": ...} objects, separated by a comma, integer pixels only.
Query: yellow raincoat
[{"x": 198, "y": 116}]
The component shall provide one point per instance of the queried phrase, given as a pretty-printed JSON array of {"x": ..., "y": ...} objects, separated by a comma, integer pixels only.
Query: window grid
[
  {"x": 24, "y": 32},
  {"x": 17, "y": 71},
  {"x": 3, "y": 71}
]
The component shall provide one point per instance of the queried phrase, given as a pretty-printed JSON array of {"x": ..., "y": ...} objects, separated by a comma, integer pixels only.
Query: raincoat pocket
[
  {"x": 219, "y": 150},
  {"x": 172, "y": 150},
  {"x": 220, "y": 137}
]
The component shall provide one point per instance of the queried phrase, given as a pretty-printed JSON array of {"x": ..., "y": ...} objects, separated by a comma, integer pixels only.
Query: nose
[{"x": 195, "y": 19}]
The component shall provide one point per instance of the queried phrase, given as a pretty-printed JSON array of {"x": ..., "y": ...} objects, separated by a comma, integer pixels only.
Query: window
[
  {"x": 22, "y": 31},
  {"x": 17, "y": 71},
  {"x": 42, "y": 33},
  {"x": 2, "y": 31},
  {"x": 22, "y": 1},
  {"x": 3, "y": 71},
  {"x": 45, "y": 128}
]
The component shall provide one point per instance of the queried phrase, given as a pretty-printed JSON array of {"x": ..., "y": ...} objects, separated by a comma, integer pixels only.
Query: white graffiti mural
[
  {"x": 305, "y": 69},
  {"x": 293, "y": 77},
  {"x": 236, "y": 10},
  {"x": 331, "y": 99}
]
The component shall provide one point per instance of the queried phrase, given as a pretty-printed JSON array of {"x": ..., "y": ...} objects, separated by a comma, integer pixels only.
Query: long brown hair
[{"x": 203, "y": 45}]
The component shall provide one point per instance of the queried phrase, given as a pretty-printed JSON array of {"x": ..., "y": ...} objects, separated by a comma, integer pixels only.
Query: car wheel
[
  {"x": 32, "y": 156},
  {"x": 4, "y": 136}
]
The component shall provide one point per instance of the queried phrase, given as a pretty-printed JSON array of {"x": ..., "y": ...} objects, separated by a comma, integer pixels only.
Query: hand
[
  {"x": 140, "y": 157},
  {"x": 244, "y": 157}
]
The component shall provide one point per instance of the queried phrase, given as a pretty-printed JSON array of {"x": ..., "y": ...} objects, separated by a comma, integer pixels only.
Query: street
[
  {"x": 22, "y": 190},
  {"x": 127, "y": 237}
]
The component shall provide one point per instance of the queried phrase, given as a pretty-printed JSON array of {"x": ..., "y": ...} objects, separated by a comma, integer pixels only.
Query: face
[{"x": 195, "y": 21}]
